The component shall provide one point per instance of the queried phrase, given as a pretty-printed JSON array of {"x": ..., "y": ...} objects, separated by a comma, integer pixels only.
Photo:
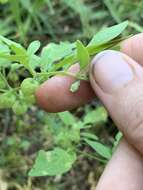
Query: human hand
[{"x": 117, "y": 79}]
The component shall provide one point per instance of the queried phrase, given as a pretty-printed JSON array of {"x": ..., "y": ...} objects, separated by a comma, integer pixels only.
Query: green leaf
[
  {"x": 62, "y": 139},
  {"x": 3, "y": 1},
  {"x": 4, "y": 49},
  {"x": 89, "y": 136},
  {"x": 18, "y": 49},
  {"x": 108, "y": 34},
  {"x": 15, "y": 58},
  {"x": 34, "y": 61},
  {"x": 33, "y": 47},
  {"x": 20, "y": 52},
  {"x": 55, "y": 52},
  {"x": 50, "y": 6},
  {"x": 67, "y": 118},
  {"x": 20, "y": 55},
  {"x": 81, "y": 8},
  {"x": 79, "y": 125},
  {"x": 96, "y": 116},
  {"x": 75, "y": 86},
  {"x": 66, "y": 62},
  {"x": 51, "y": 163},
  {"x": 8, "y": 42},
  {"x": 118, "y": 137},
  {"x": 27, "y": 5},
  {"x": 101, "y": 149},
  {"x": 67, "y": 136},
  {"x": 94, "y": 49},
  {"x": 78, "y": 7},
  {"x": 82, "y": 55}
]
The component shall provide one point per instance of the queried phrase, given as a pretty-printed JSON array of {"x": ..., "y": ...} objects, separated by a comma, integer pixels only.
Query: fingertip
[
  {"x": 133, "y": 47},
  {"x": 55, "y": 96}
]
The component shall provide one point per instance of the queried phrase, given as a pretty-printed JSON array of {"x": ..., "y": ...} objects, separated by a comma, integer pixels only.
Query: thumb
[{"x": 118, "y": 82}]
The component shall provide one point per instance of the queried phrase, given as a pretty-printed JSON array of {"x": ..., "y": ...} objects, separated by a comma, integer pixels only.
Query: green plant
[
  {"x": 69, "y": 135},
  {"x": 16, "y": 62}
]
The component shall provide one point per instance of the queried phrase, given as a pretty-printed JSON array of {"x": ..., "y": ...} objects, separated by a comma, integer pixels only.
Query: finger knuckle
[{"x": 129, "y": 115}]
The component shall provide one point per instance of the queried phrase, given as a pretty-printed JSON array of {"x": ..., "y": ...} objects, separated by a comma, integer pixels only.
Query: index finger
[{"x": 54, "y": 95}]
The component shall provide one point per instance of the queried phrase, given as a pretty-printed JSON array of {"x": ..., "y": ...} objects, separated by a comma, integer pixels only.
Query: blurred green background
[{"x": 21, "y": 137}]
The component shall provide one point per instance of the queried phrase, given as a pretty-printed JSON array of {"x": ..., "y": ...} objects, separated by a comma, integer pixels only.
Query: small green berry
[
  {"x": 29, "y": 86},
  {"x": 19, "y": 108},
  {"x": 7, "y": 100},
  {"x": 30, "y": 99}
]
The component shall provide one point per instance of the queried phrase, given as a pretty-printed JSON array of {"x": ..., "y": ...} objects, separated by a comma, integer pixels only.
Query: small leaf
[
  {"x": 101, "y": 149},
  {"x": 96, "y": 116},
  {"x": 33, "y": 47},
  {"x": 67, "y": 136},
  {"x": 51, "y": 163},
  {"x": 34, "y": 61},
  {"x": 89, "y": 136},
  {"x": 4, "y": 49},
  {"x": 18, "y": 49},
  {"x": 108, "y": 34},
  {"x": 8, "y": 42},
  {"x": 118, "y": 137},
  {"x": 94, "y": 49},
  {"x": 82, "y": 54},
  {"x": 79, "y": 125},
  {"x": 67, "y": 118},
  {"x": 50, "y": 6},
  {"x": 66, "y": 62},
  {"x": 54, "y": 53},
  {"x": 75, "y": 86}
]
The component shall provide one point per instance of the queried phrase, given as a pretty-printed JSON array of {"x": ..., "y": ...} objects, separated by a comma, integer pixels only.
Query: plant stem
[
  {"x": 3, "y": 78},
  {"x": 32, "y": 72},
  {"x": 2, "y": 90},
  {"x": 63, "y": 73},
  {"x": 136, "y": 26},
  {"x": 91, "y": 156}
]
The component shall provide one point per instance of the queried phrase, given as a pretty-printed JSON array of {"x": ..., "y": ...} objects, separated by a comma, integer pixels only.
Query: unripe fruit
[
  {"x": 7, "y": 100},
  {"x": 19, "y": 108},
  {"x": 29, "y": 86},
  {"x": 30, "y": 99}
]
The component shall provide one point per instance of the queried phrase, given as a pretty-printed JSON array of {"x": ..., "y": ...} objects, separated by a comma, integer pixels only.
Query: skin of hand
[{"x": 117, "y": 79}]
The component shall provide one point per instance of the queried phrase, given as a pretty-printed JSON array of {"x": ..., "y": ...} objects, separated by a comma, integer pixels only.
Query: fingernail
[{"x": 111, "y": 70}]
